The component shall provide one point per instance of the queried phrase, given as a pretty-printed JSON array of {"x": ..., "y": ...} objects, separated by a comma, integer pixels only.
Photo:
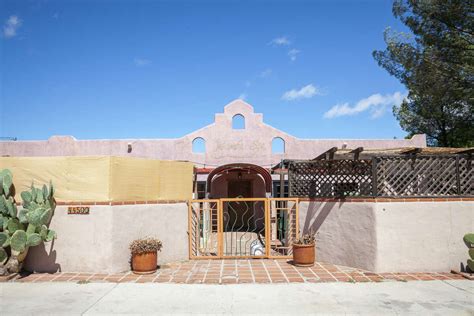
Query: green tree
[{"x": 435, "y": 61}]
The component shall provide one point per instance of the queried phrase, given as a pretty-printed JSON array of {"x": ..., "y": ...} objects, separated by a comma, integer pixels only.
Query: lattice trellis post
[
  {"x": 374, "y": 176},
  {"x": 458, "y": 179}
]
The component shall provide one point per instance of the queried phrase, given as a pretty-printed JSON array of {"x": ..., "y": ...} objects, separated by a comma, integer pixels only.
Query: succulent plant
[
  {"x": 144, "y": 245},
  {"x": 306, "y": 239},
  {"x": 24, "y": 228},
  {"x": 469, "y": 241}
]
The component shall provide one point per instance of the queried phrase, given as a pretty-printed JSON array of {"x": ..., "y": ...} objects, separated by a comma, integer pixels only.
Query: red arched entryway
[{"x": 238, "y": 175}]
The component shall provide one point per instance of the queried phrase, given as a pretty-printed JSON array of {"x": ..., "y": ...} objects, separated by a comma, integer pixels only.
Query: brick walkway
[{"x": 240, "y": 271}]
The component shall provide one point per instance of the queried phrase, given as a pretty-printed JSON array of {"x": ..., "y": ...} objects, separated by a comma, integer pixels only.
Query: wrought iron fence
[
  {"x": 242, "y": 228},
  {"x": 390, "y": 176}
]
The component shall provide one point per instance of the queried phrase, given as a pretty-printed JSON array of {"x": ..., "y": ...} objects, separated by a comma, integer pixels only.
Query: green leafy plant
[
  {"x": 144, "y": 245},
  {"x": 24, "y": 228},
  {"x": 469, "y": 241}
]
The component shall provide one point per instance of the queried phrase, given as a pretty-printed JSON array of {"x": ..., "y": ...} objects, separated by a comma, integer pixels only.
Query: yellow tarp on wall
[{"x": 103, "y": 178}]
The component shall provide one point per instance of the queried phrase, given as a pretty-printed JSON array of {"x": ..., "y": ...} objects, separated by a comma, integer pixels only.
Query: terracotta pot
[
  {"x": 144, "y": 263},
  {"x": 303, "y": 255}
]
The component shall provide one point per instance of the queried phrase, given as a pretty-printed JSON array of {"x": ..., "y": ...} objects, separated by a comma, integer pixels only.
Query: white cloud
[
  {"x": 243, "y": 96},
  {"x": 292, "y": 53},
  {"x": 376, "y": 103},
  {"x": 266, "y": 73},
  {"x": 280, "y": 41},
  {"x": 11, "y": 26},
  {"x": 141, "y": 62},
  {"x": 306, "y": 92}
]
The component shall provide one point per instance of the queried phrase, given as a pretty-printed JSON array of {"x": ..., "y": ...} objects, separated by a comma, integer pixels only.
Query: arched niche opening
[
  {"x": 278, "y": 145},
  {"x": 238, "y": 121},
  {"x": 199, "y": 145}
]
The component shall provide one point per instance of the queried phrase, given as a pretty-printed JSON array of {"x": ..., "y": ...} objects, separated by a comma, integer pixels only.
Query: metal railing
[{"x": 242, "y": 228}]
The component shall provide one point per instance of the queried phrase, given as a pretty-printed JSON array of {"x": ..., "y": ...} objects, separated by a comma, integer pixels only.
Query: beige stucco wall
[
  {"x": 223, "y": 144},
  {"x": 380, "y": 237},
  {"x": 390, "y": 237},
  {"x": 419, "y": 236},
  {"x": 98, "y": 242},
  {"x": 346, "y": 232}
]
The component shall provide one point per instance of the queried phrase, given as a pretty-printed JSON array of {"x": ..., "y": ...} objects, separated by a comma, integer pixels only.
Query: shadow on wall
[
  {"x": 40, "y": 260},
  {"x": 345, "y": 231},
  {"x": 315, "y": 225}
]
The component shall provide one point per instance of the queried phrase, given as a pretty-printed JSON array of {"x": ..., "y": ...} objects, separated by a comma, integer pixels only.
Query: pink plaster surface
[{"x": 223, "y": 144}]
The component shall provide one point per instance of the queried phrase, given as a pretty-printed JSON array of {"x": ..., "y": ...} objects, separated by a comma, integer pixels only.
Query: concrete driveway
[{"x": 416, "y": 297}]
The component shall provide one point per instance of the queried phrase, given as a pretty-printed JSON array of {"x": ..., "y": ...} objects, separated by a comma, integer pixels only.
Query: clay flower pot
[
  {"x": 145, "y": 255},
  {"x": 303, "y": 255},
  {"x": 144, "y": 263}
]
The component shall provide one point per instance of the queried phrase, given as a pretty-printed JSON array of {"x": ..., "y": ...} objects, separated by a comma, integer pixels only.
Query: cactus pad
[
  {"x": 51, "y": 235},
  {"x": 3, "y": 256},
  {"x": 26, "y": 197},
  {"x": 470, "y": 264},
  {"x": 3, "y": 238},
  {"x": 33, "y": 240},
  {"x": 469, "y": 240},
  {"x": 34, "y": 217},
  {"x": 43, "y": 232},
  {"x": 3, "y": 205},
  {"x": 10, "y": 207},
  {"x": 7, "y": 243},
  {"x": 6, "y": 184},
  {"x": 22, "y": 216},
  {"x": 14, "y": 225},
  {"x": 18, "y": 241},
  {"x": 39, "y": 196},
  {"x": 46, "y": 216},
  {"x": 45, "y": 192},
  {"x": 51, "y": 190}
]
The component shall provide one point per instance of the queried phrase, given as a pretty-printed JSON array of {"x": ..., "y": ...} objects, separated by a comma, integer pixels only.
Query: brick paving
[{"x": 239, "y": 271}]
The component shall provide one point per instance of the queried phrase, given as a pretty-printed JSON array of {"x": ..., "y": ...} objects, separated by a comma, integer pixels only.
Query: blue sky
[{"x": 161, "y": 69}]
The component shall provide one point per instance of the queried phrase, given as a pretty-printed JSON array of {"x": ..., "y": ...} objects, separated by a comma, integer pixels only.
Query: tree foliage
[{"x": 436, "y": 64}]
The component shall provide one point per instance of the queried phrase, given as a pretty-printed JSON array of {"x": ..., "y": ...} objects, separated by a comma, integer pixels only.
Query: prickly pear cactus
[
  {"x": 469, "y": 241},
  {"x": 24, "y": 228}
]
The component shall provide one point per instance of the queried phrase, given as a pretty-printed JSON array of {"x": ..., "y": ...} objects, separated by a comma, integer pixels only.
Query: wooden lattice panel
[
  {"x": 399, "y": 176},
  {"x": 466, "y": 176},
  {"x": 330, "y": 178},
  {"x": 420, "y": 176}
]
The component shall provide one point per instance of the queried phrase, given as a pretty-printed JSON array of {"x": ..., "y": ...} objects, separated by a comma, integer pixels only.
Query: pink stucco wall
[{"x": 223, "y": 144}]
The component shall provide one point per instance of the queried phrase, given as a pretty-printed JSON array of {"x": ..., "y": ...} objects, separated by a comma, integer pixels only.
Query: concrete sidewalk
[{"x": 416, "y": 297}]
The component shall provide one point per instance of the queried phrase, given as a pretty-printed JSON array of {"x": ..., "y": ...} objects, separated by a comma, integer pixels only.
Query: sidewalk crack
[{"x": 100, "y": 298}]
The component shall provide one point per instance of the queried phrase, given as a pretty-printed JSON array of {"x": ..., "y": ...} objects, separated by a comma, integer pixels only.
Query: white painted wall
[
  {"x": 98, "y": 242},
  {"x": 390, "y": 237}
]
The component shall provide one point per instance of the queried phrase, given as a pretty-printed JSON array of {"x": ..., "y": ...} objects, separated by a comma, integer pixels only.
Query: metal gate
[{"x": 242, "y": 228}]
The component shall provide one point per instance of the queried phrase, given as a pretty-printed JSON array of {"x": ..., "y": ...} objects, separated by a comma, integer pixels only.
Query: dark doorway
[
  {"x": 239, "y": 188},
  {"x": 238, "y": 215}
]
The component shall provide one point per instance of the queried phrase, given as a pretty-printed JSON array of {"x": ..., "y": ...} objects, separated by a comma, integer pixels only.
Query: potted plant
[
  {"x": 303, "y": 251},
  {"x": 145, "y": 255}
]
